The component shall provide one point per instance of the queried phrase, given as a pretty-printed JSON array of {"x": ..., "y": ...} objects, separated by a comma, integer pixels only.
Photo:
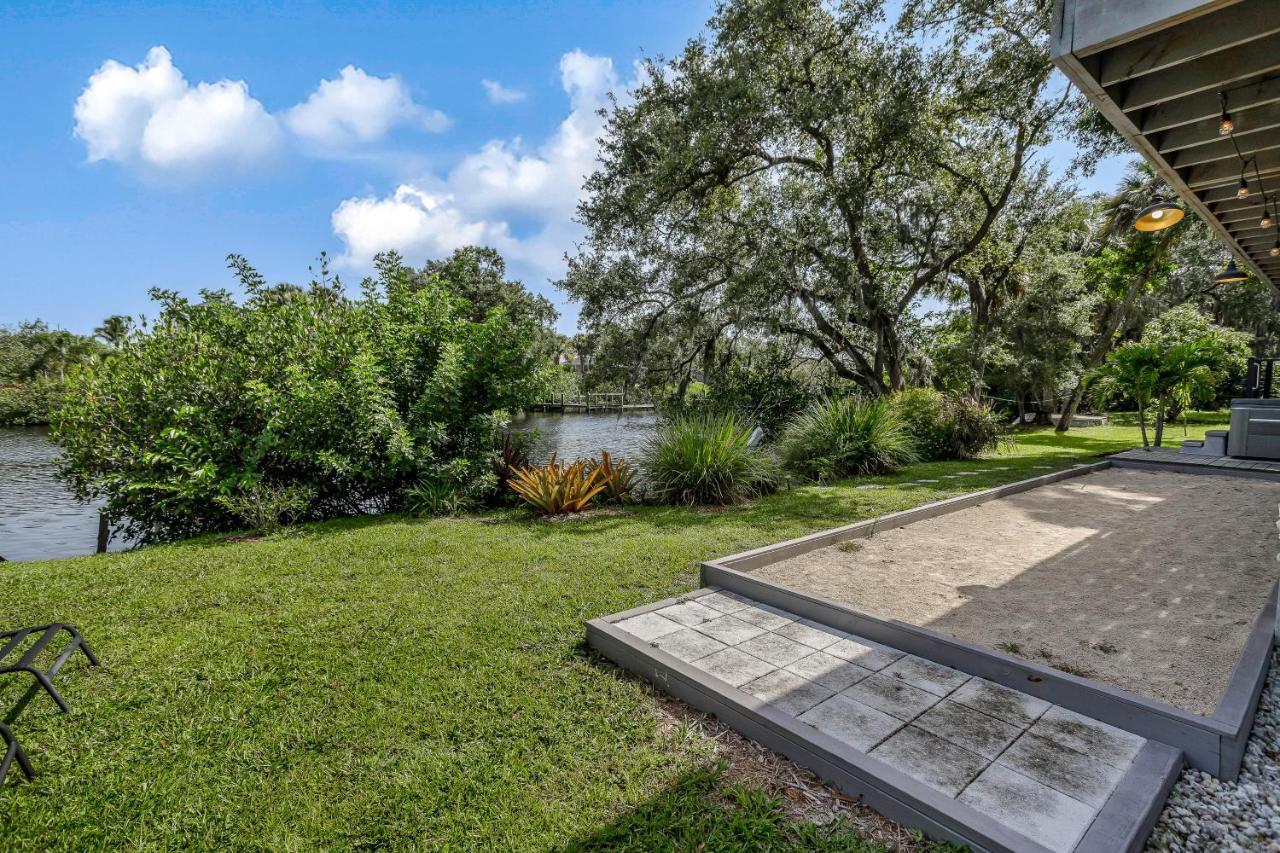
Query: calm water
[
  {"x": 39, "y": 518},
  {"x": 574, "y": 436}
]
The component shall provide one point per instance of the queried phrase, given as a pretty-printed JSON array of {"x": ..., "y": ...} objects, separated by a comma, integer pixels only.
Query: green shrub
[
  {"x": 265, "y": 508},
  {"x": 355, "y": 399},
  {"x": 435, "y": 497},
  {"x": 30, "y": 403},
  {"x": 946, "y": 427},
  {"x": 846, "y": 436},
  {"x": 706, "y": 459},
  {"x": 768, "y": 389}
]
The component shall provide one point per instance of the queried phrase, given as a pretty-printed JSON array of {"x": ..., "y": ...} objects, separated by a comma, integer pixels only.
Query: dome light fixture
[
  {"x": 1158, "y": 215},
  {"x": 1231, "y": 273}
]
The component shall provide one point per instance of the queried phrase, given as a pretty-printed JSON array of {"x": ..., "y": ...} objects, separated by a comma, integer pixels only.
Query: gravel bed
[{"x": 1205, "y": 814}]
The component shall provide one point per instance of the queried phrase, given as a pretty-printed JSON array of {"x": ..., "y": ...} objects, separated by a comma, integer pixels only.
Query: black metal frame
[
  {"x": 13, "y": 750},
  {"x": 43, "y": 677},
  {"x": 1258, "y": 378}
]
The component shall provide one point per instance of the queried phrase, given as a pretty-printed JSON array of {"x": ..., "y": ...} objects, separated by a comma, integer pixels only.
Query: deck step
[{"x": 958, "y": 757}]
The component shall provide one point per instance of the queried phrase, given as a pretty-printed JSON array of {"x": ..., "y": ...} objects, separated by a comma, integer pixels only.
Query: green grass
[{"x": 392, "y": 682}]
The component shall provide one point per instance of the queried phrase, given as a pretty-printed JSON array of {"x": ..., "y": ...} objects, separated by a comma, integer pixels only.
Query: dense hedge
[{"x": 304, "y": 392}]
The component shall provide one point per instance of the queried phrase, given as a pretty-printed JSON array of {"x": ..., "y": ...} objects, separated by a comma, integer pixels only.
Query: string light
[
  {"x": 1265, "y": 221},
  {"x": 1226, "y": 126}
]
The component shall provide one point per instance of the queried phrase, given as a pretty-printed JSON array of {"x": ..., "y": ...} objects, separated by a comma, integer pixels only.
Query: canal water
[{"x": 40, "y": 519}]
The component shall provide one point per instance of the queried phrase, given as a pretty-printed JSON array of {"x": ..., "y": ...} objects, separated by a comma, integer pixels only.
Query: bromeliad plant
[
  {"x": 558, "y": 488},
  {"x": 618, "y": 479}
]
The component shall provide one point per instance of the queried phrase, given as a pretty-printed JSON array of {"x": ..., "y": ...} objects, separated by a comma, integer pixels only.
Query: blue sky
[{"x": 146, "y": 141}]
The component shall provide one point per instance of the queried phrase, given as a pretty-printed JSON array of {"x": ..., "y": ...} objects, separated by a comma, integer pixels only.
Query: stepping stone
[
  {"x": 1094, "y": 738},
  {"x": 1042, "y": 467},
  {"x": 788, "y": 692},
  {"x": 864, "y": 653},
  {"x": 1030, "y": 807},
  {"x": 725, "y": 602},
  {"x": 764, "y": 616},
  {"x": 926, "y": 675},
  {"x": 689, "y": 613},
  {"x": 829, "y": 670},
  {"x": 926, "y": 481},
  {"x": 810, "y": 633},
  {"x": 733, "y": 666},
  {"x": 967, "y": 473},
  {"x": 1063, "y": 769},
  {"x": 976, "y": 732},
  {"x": 892, "y": 696},
  {"x": 951, "y": 476},
  {"x": 649, "y": 626},
  {"x": 930, "y": 759},
  {"x": 858, "y": 725},
  {"x": 1004, "y": 703},
  {"x": 775, "y": 649},
  {"x": 869, "y": 486},
  {"x": 730, "y": 630},
  {"x": 687, "y": 644}
]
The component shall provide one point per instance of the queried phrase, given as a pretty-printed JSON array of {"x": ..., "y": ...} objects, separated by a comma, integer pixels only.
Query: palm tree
[
  {"x": 1186, "y": 371},
  {"x": 1148, "y": 250},
  {"x": 1133, "y": 370},
  {"x": 114, "y": 330}
]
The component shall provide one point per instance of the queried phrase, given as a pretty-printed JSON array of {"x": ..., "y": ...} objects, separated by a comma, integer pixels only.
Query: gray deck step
[{"x": 961, "y": 758}]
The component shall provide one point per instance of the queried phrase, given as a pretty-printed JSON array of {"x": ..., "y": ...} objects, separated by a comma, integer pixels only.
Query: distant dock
[{"x": 599, "y": 402}]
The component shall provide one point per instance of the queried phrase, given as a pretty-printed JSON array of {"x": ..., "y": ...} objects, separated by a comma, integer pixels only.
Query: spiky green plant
[
  {"x": 618, "y": 478},
  {"x": 557, "y": 488},
  {"x": 707, "y": 459},
  {"x": 846, "y": 436}
]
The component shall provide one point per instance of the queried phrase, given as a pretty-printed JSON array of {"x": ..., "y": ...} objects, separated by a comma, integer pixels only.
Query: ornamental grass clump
[
  {"x": 844, "y": 437},
  {"x": 707, "y": 459},
  {"x": 618, "y": 479},
  {"x": 558, "y": 488}
]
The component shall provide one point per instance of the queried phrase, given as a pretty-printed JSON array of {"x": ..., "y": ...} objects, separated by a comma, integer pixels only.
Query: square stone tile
[
  {"x": 892, "y": 696},
  {"x": 864, "y": 653},
  {"x": 856, "y": 724},
  {"x": 927, "y": 675},
  {"x": 1003, "y": 703},
  {"x": 687, "y": 644},
  {"x": 829, "y": 670},
  {"x": 1063, "y": 769},
  {"x": 689, "y": 613},
  {"x": 1092, "y": 737},
  {"x": 776, "y": 649},
  {"x": 725, "y": 602},
  {"x": 729, "y": 629},
  {"x": 764, "y": 616},
  {"x": 733, "y": 666},
  {"x": 928, "y": 758},
  {"x": 811, "y": 634},
  {"x": 973, "y": 730},
  {"x": 648, "y": 626},
  {"x": 788, "y": 692},
  {"x": 1042, "y": 814}
]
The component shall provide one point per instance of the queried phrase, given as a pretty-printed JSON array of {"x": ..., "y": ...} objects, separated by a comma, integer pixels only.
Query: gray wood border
[
  {"x": 1196, "y": 468},
  {"x": 1214, "y": 744},
  {"x": 1130, "y": 813},
  {"x": 882, "y": 787}
]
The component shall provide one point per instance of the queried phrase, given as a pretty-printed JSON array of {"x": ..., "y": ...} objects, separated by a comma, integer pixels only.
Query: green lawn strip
[{"x": 398, "y": 682}]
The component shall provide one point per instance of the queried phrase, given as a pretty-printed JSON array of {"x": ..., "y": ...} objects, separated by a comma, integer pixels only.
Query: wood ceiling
[{"x": 1159, "y": 70}]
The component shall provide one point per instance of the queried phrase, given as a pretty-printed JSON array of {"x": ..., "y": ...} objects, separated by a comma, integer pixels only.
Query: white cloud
[
  {"x": 500, "y": 94},
  {"x": 358, "y": 107},
  {"x": 150, "y": 115},
  {"x": 502, "y": 183}
]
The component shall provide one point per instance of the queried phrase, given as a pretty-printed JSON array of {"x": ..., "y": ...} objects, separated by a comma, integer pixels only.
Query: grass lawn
[{"x": 394, "y": 682}]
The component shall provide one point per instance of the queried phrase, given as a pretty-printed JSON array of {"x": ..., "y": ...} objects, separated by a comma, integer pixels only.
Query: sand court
[{"x": 1148, "y": 581}]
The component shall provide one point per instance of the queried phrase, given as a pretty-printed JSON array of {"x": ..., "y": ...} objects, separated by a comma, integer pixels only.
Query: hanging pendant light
[
  {"x": 1225, "y": 123},
  {"x": 1266, "y": 220},
  {"x": 1275, "y": 250},
  {"x": 1242, "y": 191},
  {"x": 1231, "y": 273},
  {"x": 1158, "y": 215}
]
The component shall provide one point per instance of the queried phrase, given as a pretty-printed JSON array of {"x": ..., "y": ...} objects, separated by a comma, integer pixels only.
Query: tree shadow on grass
[{"x": 702, "y": 811}]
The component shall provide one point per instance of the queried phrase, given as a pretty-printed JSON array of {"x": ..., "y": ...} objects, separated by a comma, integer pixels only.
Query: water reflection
[
  {"x": 581, "y": 435},
  {"x": 39, "y": 517}
]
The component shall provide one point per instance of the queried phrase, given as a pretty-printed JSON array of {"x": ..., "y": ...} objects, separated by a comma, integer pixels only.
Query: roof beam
[
  {"x": 1224, "y": 149},
  {"x": 1210, "y": 73},
  {"x": 1205, "y": 105},
  {"x": 1233, "y": 26},
  {"x": 1228, "y": 171},
  {"x": 1202, "y": 132}
]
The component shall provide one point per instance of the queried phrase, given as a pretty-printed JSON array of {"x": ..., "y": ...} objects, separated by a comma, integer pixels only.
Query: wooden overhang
[{"x": 1159, "y": 71}]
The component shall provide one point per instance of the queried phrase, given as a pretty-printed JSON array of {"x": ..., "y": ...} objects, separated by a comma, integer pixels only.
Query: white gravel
[{"x": 1209, "y": 815}]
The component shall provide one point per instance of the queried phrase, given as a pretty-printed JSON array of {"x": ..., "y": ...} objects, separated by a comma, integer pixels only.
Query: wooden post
[{"x": 104, "y": 532}]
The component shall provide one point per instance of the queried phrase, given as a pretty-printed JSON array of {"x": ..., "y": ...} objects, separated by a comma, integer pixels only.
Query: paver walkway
[{"x": 1037, "y": 768}]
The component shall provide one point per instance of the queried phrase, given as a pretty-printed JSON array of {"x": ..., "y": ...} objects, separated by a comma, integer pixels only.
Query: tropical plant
[
  {"x": 707, "y": 459},
  {"x": 432, "y": 496},
  {"x": 946, "y": 426},
  {"x": 558, "y": 488},
  {"x": 267, "y": 507},
  {"x": 357, "y": 400},
  {"x": 845, "y": 436},
  {"x": 511, "y": 454},
  {"x": 1132, "y": 370},
  {"x": 619, "y": 479}
]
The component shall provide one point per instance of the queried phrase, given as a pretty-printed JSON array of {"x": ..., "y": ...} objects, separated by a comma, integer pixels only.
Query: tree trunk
[
  {"x": 1142, "y": 425},
  {"x": 1160, "y": 423}
]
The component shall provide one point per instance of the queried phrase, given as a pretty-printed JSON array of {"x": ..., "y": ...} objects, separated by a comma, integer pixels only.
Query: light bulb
[
  {"x": 1243, "y": 191},
  {"x": 1157, "y": 214},
  {"x": 1275, "y": 250},
  {"x": 1226, "y": 125},
  {"x": 1265, "y": 221}
]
